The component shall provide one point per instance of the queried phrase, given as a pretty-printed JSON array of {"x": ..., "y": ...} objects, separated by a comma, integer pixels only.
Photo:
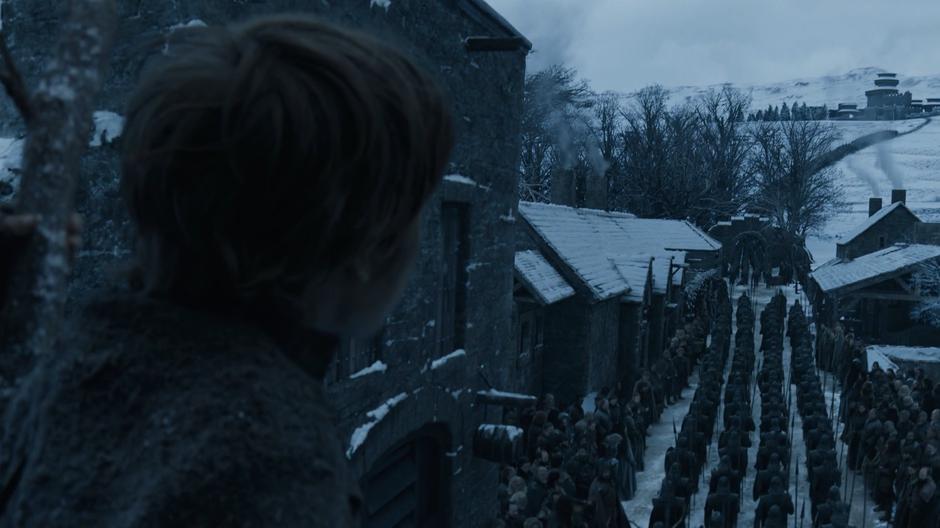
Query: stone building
[
  {"x": 537, "y": 288},
  {"x": 884, "y": 227},
  {"x": 873, "y": 295},
  {"x": 887, "y": 226},
  {"x": 627, "y": 275},
  {"x": 405, "y": 397},
  {"x": 886, "y": 102}
]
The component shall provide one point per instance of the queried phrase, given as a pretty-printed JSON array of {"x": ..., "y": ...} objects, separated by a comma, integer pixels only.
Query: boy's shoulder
[{"x": 177, "y": 417}]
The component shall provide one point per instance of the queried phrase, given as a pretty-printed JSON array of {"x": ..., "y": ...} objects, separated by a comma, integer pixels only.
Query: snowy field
[
  {"x": 848, "y": 87},
  {"x": 850, "y": 130},
  {"x": 916, "y": 159}
]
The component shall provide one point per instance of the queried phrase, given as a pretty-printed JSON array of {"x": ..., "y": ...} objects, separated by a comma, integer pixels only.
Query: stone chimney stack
[
  {"x": 898, "y": 195},
  {"x": 562, "y": 187},
  {"x": 595, "y": 195},
  {"x": 874, "y": 205}
]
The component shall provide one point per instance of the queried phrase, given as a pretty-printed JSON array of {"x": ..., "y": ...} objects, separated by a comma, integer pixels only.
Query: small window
[
  {"x": 455, "y": 252},
  {"x": 357, "y": 354},
  {"x": 525, "y": 344}
]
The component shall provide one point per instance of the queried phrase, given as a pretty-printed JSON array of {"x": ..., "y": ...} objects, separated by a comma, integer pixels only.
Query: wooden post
[{"x": 58, "y": 126}]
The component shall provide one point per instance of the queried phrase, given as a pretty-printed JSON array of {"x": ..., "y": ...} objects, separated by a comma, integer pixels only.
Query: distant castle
[{"x": 886, "y": 102}]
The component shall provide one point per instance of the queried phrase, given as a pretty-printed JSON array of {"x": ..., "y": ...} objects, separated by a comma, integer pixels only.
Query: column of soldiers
[
  {"x": 685, "y": 461},
  {"x": 770, "y": 491},
  {"x": 578, "y": 466},
  {"x": 724, "y": 498},
  {"x": 828, "y": 509},
  {"x": 888, "y": 436}
]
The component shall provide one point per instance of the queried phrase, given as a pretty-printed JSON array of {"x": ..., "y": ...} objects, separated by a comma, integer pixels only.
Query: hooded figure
[
  {"x": 725, "y": 502},
  {"x": 776, "y": 497}
]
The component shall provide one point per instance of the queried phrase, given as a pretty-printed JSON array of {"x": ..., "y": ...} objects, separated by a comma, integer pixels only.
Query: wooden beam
[
  {"x": 904, "y": 285},
  {"x": 506, "y": 399},
  {"x": 886, "y": 296}
]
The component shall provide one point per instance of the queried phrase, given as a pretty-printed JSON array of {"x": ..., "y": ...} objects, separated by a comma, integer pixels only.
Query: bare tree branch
[{"x": 57, "y": 135}]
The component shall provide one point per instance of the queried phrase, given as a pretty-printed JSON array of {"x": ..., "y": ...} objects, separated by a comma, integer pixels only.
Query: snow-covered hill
[
  {"x": 814, "y": 91},
  {"x": 915, "y": 160}
]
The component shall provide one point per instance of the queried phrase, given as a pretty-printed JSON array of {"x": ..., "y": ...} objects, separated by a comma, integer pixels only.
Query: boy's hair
[{"x": 262, "y": 155}]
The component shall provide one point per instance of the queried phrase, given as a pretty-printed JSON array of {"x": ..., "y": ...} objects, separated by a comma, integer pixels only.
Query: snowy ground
[
  {"x": 916, "y": 159},
  {"x": 661, "y": 438}
]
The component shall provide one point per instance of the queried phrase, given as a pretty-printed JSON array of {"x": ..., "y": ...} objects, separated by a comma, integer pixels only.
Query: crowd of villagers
[
  {"x": 581, "y": 457},
  {"x": 889, "y": 422}
]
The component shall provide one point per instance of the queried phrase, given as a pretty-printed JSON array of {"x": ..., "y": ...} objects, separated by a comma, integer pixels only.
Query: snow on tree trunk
[{"x": 58, "y": 131}]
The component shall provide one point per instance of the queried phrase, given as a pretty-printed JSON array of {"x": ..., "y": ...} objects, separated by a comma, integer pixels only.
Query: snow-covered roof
[
  {"x": 541, "y": 278},
  {"x": 658, "y": 235},
  {"x": 487, "y": 11},
  {"x": 634, "y": 269},
  {"x": 894, "y": 259},
  {"x": 593, "y": 243},
  {"x": 886, "y": 355},
  {"x": 872, "y": 220}
]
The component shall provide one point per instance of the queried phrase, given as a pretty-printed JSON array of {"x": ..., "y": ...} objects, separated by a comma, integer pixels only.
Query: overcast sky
[{"x": 627, "y": 44}]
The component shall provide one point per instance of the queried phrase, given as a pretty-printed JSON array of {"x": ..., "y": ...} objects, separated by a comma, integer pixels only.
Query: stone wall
[
  {"x": 567, "y": 332},
  {"x": 486, "y": 91}
]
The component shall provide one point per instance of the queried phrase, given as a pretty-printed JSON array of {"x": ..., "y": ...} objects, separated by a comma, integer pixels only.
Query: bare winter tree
[
  {"x": 791, "y": 187},
  {"x": 556, "y": 105},
  {"x": 663, "y": 173},
  {"x": 645, "y": 187},
  {"x": 57, "y": 113},
  {"x": 724, "y": 151},
  {"x": 608, "y": 130},
  {"x": 927, "y": 281}
]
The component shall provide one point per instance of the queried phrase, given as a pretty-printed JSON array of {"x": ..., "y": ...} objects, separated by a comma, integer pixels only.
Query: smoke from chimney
[
  {"x": 886, "y": 164},
  {"x": 571, "y": 138},
  {"x": 864, "y": 174}
]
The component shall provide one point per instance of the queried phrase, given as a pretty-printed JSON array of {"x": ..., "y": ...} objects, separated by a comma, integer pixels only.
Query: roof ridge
[{"x": 870, "y": 222}]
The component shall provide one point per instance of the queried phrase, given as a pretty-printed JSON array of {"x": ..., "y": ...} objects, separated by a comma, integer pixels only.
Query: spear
[
  {"x": 796, "y": 489},
  {"x": 754, "y": 383},
  {"x": 802, "y": 513}
]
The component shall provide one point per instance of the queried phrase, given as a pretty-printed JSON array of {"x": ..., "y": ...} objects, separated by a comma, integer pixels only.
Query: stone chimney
[
  {"x": 898, "y": 195},
  {"x": 874, "y": 205},
  {"x": 595, "y": 195},
  {"x": 562, "y": 187}
]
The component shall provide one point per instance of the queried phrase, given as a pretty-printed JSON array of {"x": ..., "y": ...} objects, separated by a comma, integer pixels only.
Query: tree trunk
[{"x": 58, "y": 131}]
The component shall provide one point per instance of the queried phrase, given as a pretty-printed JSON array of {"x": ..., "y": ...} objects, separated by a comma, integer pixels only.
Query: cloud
[{"x": 627, "y": 44}]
